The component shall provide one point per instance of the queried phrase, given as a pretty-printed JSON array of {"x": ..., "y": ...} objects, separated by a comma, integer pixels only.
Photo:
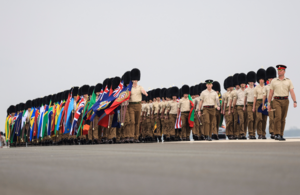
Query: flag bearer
[
  {"x": 217, "y": 88},
  {"x": 261, "y": 119},
  {"x": 248, "y": 102}
]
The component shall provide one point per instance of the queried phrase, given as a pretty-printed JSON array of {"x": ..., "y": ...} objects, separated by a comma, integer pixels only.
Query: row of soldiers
[{"x": 171, "y": 114}]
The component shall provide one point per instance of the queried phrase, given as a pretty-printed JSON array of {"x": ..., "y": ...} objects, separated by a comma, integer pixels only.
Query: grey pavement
[{"x": 224, "y": 167}]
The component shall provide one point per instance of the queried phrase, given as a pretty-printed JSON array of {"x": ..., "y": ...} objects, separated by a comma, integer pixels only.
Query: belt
[
  {"x": 208, "y": 106},
  {"x": 281, "y": 98},
  {"x": 239, "y": 105},
  {"x": 249, "y": 102},
  {"x": 259, "y": 100},
  {"x": 134, "y": 102},
  {"x": 186, "y": 112}
]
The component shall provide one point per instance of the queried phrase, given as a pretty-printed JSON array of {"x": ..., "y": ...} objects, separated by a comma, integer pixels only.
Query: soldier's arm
[{"x": 293, "y": 97}]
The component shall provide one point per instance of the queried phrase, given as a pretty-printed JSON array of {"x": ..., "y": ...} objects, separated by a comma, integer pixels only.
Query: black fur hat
[
  {"x": 225, "y": 84},
  {"x": 105, "y": 83},
  {"x": 242, "y": 78},
  {"x": 109, "y": 83},
  {"x": 192, "y": 90},
  {"x": 185, "y": 89},
  {"x": 44, "y": 101},
  {"x": 66, "y": 95},
  {"x": 22, "y": 106},
  {"x": 157, "y": 93},
  {"x": 49, "y": 98},
  {"x": 98, "y": 88},
  {"x": 74, "y": 91},
  {"x": 91, "y": 89},
  {"x": 174, "y": 91},
  {"x": 180, "y": 94},
  {"x": 135, "y": 74},
  {"x": 17, "y": 107},
  {"x": 115, "y": 82},
  {"x": 216, "y": 86},
  {"x": 230, "y": 82},
  {"x": 203, "y": 87},
  {"x": 195, "y": 90},
  {"x": 169, "y": 93},
  {"x": 85, "y": 90},
  {"x": 28, "y": 104},
  {"x": 126, "y": 78},
  {"x": 235, "y": 79},
  {"x": 261, "y": 74},
  {"x": 271, "y": 73},
  {"x": 162, "y": 93},
  {"x": 251, "y": 77},
  {"x": 13, "y": 109}
]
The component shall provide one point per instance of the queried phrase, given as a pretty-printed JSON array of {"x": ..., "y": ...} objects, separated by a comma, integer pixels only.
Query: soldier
[
  {"x": 202, "y": 126},
  {"x": 210, "y": 101},
  {"x": 280, "y": 88},
  {"x": 85, "y": 94},
  {"x": 196, "y": 128},
  {"x": 184, "y": 107},
  {"x": 162, "y": 106},
  {"x": 228, "y": 113},
  {"x": 134, "y": 107},
  {"x": 124, "y": 113},
  {"x": 261, "y": 119},
  {"x": 217, "y": 88},
  {"x": 238, "y": 97},
  {"x": 168, "y": 97},
  {"x": 249, "y": 99},
  {"x": 26, "y": 126},
  {"x": 172, "y": 112},
  {"x": 150, "y": 118},
  {"x": 114, "y": 124},
  {"x": 156, "y": 121},
  {"x": 234, "y": 111},
  {"x": 271, "y": 74}
]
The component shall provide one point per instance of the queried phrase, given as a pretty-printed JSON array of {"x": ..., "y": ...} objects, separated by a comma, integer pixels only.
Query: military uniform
[
  {"x": 281, "y": 89},
  {"x": 184, "y": 106},
  {"x": 250, "y": 99},
  {"x": 261, "y": 119},
  {"x": 209, "y": 99}
]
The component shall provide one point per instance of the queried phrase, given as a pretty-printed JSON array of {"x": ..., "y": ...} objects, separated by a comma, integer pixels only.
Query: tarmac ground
[{"x": 199, "y": 167}]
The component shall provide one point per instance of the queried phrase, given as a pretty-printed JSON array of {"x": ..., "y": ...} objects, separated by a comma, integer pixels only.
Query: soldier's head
[
  {"x": 251, "y": 84},
  {"x": 209, "y": 84},
  {"x": 261, "y": 81},
  {"x": 174, "y": 98},
  {"x": 281, "y": 69},
  {"x": 243, "y": 85}
]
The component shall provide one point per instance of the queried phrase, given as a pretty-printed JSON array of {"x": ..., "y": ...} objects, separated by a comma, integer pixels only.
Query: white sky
[{"x": 49, "y": 46}]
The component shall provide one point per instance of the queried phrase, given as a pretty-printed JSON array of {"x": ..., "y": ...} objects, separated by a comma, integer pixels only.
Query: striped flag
[{"x": 178, "y": 122}]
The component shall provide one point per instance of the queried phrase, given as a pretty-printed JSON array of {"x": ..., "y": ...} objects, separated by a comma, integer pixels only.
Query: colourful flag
[
  {"x": 192, "y": 113},
  {"x": 77, "y": 114}
]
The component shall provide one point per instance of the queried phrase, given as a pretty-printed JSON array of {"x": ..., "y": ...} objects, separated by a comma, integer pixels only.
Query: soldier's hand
[
  {"x": 218, "y": 108},
  {"x": 199, "y": 113},
  {"x": 244, "y": 108},
  {"x": 269, "y": 108},
  {"x": 228, "y": 112},
  {"x": 232, "y": 110},
  {"x": 295, "y": 105},
  {"x": 253, "y": 110}
]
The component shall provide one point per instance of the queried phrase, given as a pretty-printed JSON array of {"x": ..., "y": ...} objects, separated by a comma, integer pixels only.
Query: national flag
[
  {"x": 7, "y": 127},
  {"x": 265, "y": 105},
  {"x": 32, "y": 117},
  {"x": 68, "y": 123},
  {"x": 178, "y": 122},
  {"x": 40, "y": 124},
  {"x": 45, "y": 122},
  {"x": 192, "y": 113},
  {"x": 77, "y": 114}
]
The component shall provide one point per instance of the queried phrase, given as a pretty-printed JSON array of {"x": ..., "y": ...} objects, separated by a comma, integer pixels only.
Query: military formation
[{"x": 83, "y": 115}]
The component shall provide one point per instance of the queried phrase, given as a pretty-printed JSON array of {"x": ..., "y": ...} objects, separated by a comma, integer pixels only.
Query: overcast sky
[{"x": 50, "y": 46}]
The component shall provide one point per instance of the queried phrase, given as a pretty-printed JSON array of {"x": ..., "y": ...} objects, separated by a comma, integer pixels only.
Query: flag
[
  {"x": 32, "y": 117},
  {"x": 45, "y": 122},
  {"x": 82, "y": 120},
  {"x": 7, "y": 127},
  {"x": 50, "y": 114},
  {"x": 77, "y": 114},
  {"x": 178, "y": 122},
  {"x": 69, "y": 116},
  {"x": 265, "y": 105},
  {"x": 192, "y": 113},
  {"x": 39, "y": 133},
  {"x": 59, "y": 119},
  {"x": 66, "y": 110}
]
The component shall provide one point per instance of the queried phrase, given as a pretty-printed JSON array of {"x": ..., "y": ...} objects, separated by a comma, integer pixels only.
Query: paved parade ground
[{"x": 218, "y": 167}]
